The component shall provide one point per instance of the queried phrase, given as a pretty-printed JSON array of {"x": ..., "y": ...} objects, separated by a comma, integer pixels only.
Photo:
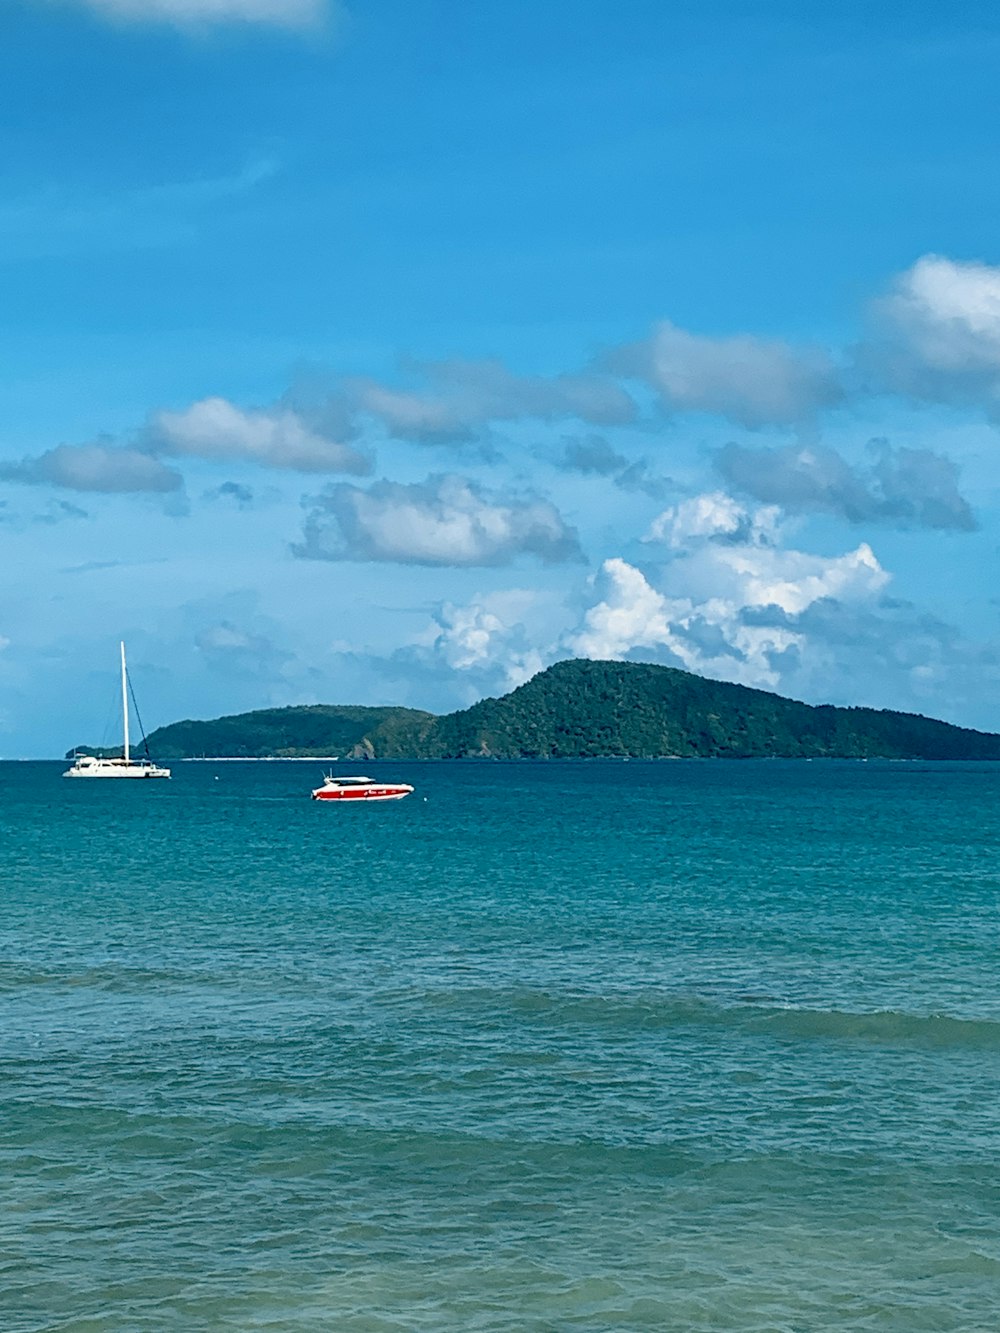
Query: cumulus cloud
[
  {"x": 714, "y": 516},
  {"x": 468, "y": 635},
  {"x": 484, "y": 640},
  {"x": 487, "y": 645},
  {"x": 630, "y": 614},
  {"x": 445, "y": 520},
  {"x": 462, "y": 397},
  {"x": 936, "y": 333},
  {"x": 903, "y": 487},
  {"x": 752, "y": 381},
  {"x": 196, "y": 13},
  {"x": 95, "y": 467},
  {"x": 793, "y": 580},
  {"x": 728, "y": 602},
  {"x": 277, "y": 437}
]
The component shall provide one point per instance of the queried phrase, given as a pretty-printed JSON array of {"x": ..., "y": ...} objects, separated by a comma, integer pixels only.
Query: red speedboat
[{"x": 360, "y": 789}]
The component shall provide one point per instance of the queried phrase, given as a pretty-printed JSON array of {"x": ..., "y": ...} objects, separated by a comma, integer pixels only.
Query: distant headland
[{"x": 583, "y": 710}]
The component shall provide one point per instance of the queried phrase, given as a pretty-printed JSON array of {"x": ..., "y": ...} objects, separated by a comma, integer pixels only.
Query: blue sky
[{"x": 388, "y": 352}]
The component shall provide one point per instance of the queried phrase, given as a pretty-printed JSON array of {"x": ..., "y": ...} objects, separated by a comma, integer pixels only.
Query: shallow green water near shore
[{"x": 694, "y": 1046}]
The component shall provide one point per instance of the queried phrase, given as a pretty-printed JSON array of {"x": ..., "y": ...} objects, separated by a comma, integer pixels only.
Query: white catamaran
[{"x": 123, "y": 766}]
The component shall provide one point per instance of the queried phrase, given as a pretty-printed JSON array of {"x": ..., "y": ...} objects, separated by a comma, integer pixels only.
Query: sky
[{"x": 387, "y": 352}]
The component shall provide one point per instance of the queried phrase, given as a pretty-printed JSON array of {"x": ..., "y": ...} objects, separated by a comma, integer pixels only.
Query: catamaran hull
[{"x": 117, "y": 773}]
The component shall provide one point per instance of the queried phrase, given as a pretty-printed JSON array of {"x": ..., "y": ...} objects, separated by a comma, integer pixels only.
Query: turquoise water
[{"x": 693, "y": 1046}]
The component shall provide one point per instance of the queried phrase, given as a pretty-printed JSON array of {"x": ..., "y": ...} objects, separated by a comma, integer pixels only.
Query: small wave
[
  {"x": 751, "y": 1015},
  {"x": 886, "y": 1027},
  {"x": 109, "y": 977}
]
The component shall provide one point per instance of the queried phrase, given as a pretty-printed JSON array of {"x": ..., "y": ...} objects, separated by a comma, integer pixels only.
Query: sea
[{"x": 695, "y": 1045}]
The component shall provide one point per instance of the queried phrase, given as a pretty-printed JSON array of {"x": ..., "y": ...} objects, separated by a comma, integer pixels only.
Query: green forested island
[{"x": 584, "y": 710}]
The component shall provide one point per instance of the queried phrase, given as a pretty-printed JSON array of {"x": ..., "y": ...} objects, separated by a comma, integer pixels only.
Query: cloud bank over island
[{"x": 746, "y": 566}]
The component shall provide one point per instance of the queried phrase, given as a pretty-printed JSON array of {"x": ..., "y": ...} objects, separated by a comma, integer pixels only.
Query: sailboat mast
[{"x": 125, "y": 703}]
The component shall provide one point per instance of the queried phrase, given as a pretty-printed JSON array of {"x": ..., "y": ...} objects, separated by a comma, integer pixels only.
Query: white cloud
[
  {"x": 468, "y": 635},
  {"x": 936, "y": 334},
  {"x": 95, "y": 467},
  {"x": 793, "y": 580},
  {"x": 948, "y": 313},
  {"x": 277, "y": 437},
  {"x": 631, "y": 614},
  {"x": 725, "y": 608},
  {"x": 839, "y": 642},
  {"x": 717, "y": 516},
  {"x": 195, "y": 13},
  {"x": 483, "y": 638},
  {"x": 213, "y": 429},
  {"x": 752, "y": 381},
  {"x": 486, "y": 646},
  {"x": 445, "y": 520}
]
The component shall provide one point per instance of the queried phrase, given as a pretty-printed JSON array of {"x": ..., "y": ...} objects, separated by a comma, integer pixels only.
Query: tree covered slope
[
  {"x": 584, "y": 709},
  {"x": 315, "y": 729}
]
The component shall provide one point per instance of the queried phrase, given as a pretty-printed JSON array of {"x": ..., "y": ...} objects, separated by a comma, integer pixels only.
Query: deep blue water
[{"x": 697, "y": 1046}]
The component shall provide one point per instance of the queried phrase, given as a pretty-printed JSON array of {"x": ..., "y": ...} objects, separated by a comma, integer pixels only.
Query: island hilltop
[{"x": 584, "y": 710}]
